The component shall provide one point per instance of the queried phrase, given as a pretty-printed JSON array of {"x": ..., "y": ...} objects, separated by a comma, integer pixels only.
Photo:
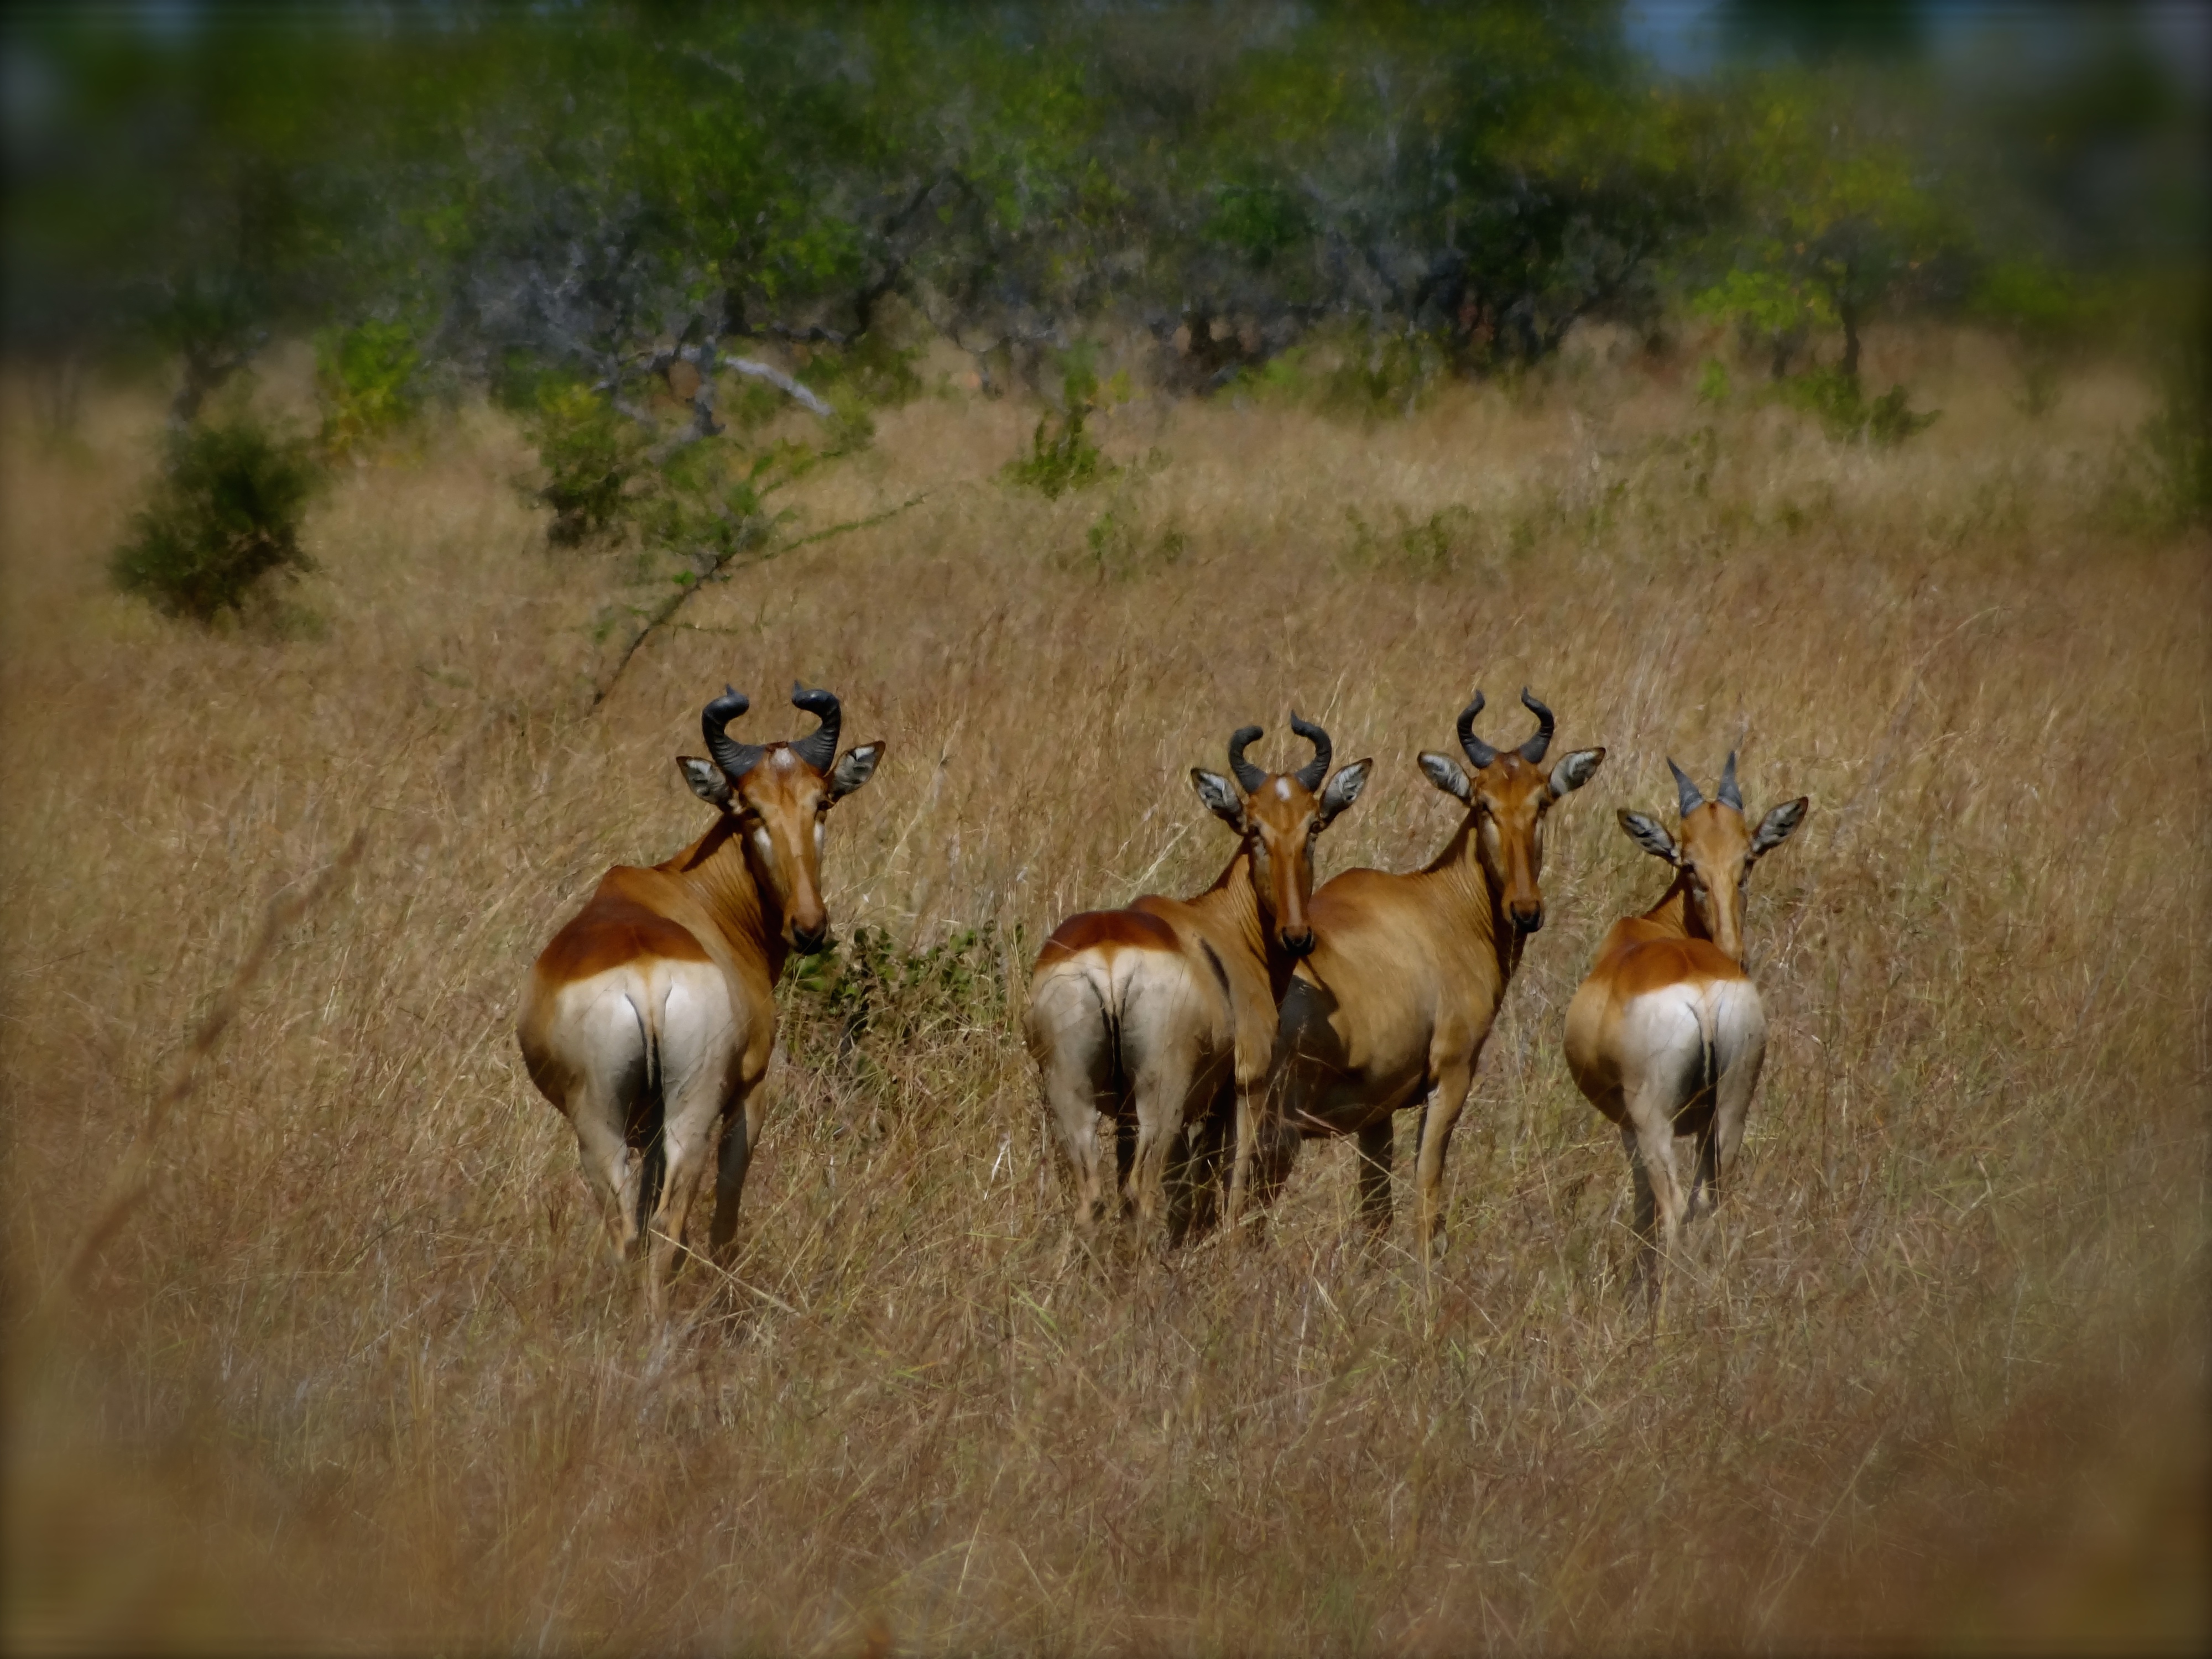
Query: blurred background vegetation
[
  {"x": 603, "y": 214},
  {"x": 478, "y": 192}
]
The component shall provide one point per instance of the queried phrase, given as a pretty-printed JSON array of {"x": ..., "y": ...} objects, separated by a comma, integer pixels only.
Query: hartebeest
[
  {"x": 1393, "y": 1007},
  {"x": 1667, "y": 1034},
  {"x": 1161, "y": 1017},
  {"x": 649, "y": 1019}
]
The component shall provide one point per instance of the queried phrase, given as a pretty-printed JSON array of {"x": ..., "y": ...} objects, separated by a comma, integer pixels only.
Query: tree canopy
[{"x": 594, "y": 189}]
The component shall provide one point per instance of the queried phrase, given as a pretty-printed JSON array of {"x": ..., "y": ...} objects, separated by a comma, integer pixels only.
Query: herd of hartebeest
[{"x": 1218, "y": 1029}]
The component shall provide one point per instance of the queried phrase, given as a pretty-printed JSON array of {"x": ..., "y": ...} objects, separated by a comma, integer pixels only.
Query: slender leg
[
  {"x": 1438, "y": 1120},
  {"x": 1705, "y": 1183},
  {"x": 1068, "y": 1035},
  {"x": 740, "y": 1137},
  {"x": 1652, "y": 1113},
  {"x": 1166, "y": 1092},
  {"x": 680, "y": 1180},
  {"x": 1146, "y": 1187},
  {"x": 1733, "y": 1104},
  {"x": 1640, "y": 1179},
  {"x": 1374, "y": 1142},
  {"x": 1196, "y": 1173},
  {"x": 612, "y": 1176},
  {"x": 1249, "y": 1108}
]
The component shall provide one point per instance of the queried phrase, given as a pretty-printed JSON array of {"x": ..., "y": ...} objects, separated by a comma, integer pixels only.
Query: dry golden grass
[{"x": 353, "y": 1371}]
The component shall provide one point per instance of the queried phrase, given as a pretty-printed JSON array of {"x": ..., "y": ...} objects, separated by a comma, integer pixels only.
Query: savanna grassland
[{"x": 353, "y": 1370}]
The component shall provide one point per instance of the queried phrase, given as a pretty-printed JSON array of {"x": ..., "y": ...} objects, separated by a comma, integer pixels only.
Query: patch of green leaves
[
  {"x": 1062, "y": 456},
  {"x": 224, "y": 516},
  {"x": 865, "y": 987},
  {"x": 2165, "y": 481},
  {"x": 1847, "y": 414},
  {"x": 369, "y": 377},
  {"x": 590, "y": 451},
  {"x": 1428, "y": 547}
]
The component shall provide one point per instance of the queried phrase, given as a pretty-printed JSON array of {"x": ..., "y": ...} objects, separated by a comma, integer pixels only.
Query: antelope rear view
[
  {"x": 1666, "y": 1035},
  {"x": 649, "y": 1019}
]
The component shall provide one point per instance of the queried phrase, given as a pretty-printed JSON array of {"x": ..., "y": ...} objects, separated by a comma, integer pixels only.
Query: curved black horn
[
  {"x": 1314, "y": 772},
  {"x": 1729, "y": 795},
  {"x": 1533, "y": 751},
  {"x": 1477, "y": 750},
  {"x": 818, "y": 748},
  {"x": 735, "y": 758},
  {"x": 1686, "y": 791},
  {"x": 1249, "y": 776}
]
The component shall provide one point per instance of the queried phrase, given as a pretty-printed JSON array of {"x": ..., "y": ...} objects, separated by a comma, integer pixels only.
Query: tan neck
[
  {"x": 1233, "y": 904},
  {"x": 717, "y": 869},
  {"x": 1674, "y": 913},
  {"x": 1463, "y": 884}
]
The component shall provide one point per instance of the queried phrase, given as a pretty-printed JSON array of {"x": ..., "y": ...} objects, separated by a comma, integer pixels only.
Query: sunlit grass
[{"x": 355, "y": 1370}]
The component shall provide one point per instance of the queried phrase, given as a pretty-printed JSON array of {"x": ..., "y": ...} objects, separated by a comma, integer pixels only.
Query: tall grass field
[{"x": 312, "y": 1339}]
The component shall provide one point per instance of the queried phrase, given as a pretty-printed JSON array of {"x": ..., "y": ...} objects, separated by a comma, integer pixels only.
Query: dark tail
[
  {"x": 1119, "y": 1123},
  {"x": 1708, "y": 1058},
  {"x": 1117, "y": 1071},
  {"x": 647, "y": 1115}
]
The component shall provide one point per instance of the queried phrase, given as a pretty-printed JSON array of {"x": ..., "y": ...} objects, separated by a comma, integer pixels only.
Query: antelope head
[
  {"x": 775, "y": 796},
  {"x": 1716, "y": 854},
  {"x": 1506, "y": 799},
  {"x": 1279, "y": 815}
]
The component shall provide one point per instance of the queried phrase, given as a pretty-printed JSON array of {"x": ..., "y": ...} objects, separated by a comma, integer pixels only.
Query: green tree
[{"x": 1840, "y": 219}]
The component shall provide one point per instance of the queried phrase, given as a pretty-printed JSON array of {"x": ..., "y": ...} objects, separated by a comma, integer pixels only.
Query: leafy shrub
[
  {"x": 1771, "y": 309},
  {"x": 1712, "y": 381},
  {"x": 865, "y": 992},
  {"x": 710, "y": 504},
  {"x": 1116, "y": 547},
  {"x": 1845, "y": 411},
  {"x": 2166, "y": 479},
  {"x": 1062, "y": 456},
  {"x": 369, "y": 378},
  {"x": 1890, "y": 419},
  {"x": 2045, "y": 312},
  {"x": 1387, "y": 373},
  {"x": 1429, "y": 547},
  {"x": 590, "y": 451},
  {"x": 225, "y": 514},
  {"x": 873, "y": 368}
]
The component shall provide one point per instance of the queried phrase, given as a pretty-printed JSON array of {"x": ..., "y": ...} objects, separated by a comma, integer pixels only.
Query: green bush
[
  {"x": 2045, "y": 312},
  {"x": 873, "y": 369},
  {"x": 2166, "y": 480},
  {"x": 590, "y": 451},
  {"x": 1062, "y": 456},
  {"x": 369, "y": 379},
  {"x": 1388, "y": 373},
  {"x": 225, "y": 514},
  {"x": 708, "y": 502},
  {"x": 1846, "y": 413}
]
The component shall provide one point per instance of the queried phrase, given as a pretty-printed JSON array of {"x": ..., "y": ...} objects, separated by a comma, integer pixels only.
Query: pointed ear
[
  {"x": 1446, "y": 773},
  {"x": 706, "y": 780},
  {"x": 1575, "y": 770},
  {"x": 1344, "y": 789},
  {"x": 1220, "y": 797},
  {"x": 1774, "y": 829},
  {"x": 1648, "y": 835},
  {"x": 854, "y": 768}
]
